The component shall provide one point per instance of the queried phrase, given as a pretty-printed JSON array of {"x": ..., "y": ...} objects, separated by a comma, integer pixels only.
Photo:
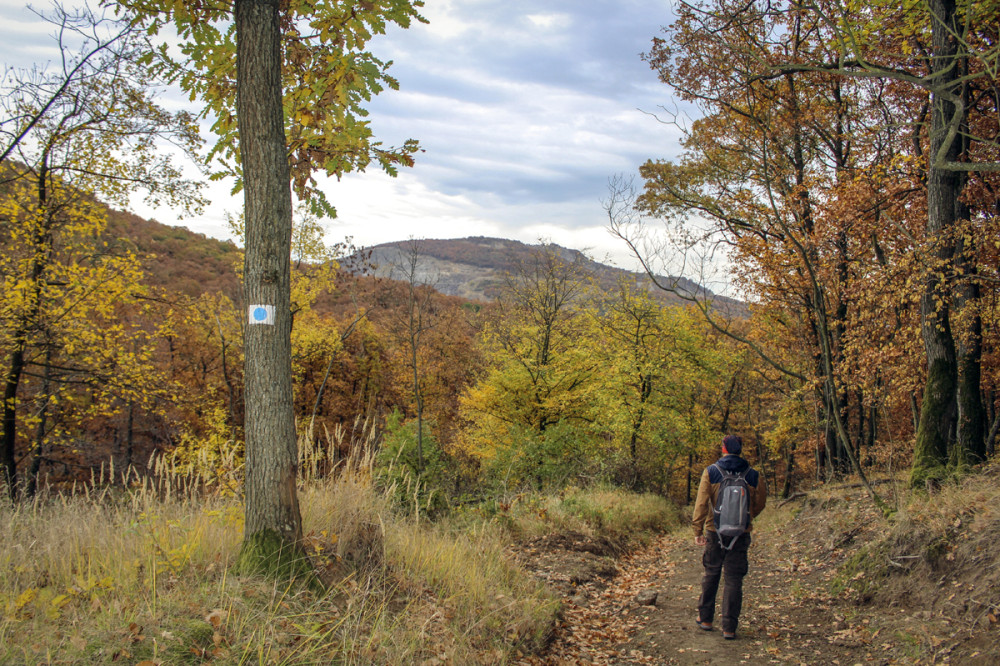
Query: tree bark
[
  {"x": 273, "y": 527},
  {"x": 970, "y": 445},
  {"x": 38, "y": 455},
  {"x": 938, "y": 413},
  {"x": 415, "y": 328},
  {"x": 11, "y": 381}
]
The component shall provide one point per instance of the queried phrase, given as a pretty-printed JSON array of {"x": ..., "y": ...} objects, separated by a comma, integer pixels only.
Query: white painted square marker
[{"x": 261, "y": 314}]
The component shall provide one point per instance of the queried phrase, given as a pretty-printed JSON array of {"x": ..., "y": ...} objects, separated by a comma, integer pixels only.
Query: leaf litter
[{"x": 799, "y": 606}]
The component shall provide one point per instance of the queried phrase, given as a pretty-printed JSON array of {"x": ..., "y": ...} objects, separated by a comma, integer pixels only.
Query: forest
[{"x": 842, "y": 157}]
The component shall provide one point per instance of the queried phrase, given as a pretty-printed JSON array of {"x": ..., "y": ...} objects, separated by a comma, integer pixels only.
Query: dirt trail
[
  {"x": 789, "y": 615},
  {"x": 778, "y": 624}
]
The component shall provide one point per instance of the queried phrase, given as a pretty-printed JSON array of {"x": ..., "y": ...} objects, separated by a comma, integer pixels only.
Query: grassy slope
[
  {"x": 926, "y": 580},
  {"x": 143, "y": 576}
]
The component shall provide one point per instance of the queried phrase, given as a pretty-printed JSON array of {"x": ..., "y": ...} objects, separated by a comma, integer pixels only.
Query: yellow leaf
[{"x": 25, "y": 598}]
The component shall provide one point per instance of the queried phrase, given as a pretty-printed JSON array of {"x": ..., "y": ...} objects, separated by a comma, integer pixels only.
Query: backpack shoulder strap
[{"x": 726, "y": 473}]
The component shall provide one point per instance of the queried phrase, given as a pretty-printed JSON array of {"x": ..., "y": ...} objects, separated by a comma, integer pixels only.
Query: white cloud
[
  {"x": 523, "y": 111},
  {"x": 549, "y": 21}
]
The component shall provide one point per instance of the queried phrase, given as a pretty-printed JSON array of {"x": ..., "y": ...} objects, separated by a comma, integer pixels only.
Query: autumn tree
[
  {"x": 89, "y": 129},
  {"x": 536, "y": 397},
  {"x": 658, "y": 382},
  {"x": 779, "y": 173},
  {"x": 417, "y": 317},
  {"x": 100, "y": 41},
  {"x": 945, "y": 50},
  {"x": 300, "y": 77},
  {"x": 631, "y": 325}
]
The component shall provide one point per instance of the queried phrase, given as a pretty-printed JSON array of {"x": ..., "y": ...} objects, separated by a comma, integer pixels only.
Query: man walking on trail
[{"x": 728, "y": 556}]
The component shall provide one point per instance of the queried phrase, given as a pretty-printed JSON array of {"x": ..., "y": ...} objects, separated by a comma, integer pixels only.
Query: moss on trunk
[
  {"x": 265, "y": 553},
  {"x": 937, "y": 419}
]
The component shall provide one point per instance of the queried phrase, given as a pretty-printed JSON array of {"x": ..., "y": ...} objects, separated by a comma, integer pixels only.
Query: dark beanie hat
[{"x": 733, "y": 444}]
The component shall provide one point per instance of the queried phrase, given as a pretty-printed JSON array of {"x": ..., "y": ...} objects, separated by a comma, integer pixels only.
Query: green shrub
[
  {"x": 416, "y": 481},
  {"x": 564, "y": 454}
]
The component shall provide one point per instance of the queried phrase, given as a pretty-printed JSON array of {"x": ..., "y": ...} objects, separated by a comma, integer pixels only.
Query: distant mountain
[
  {"x": 474, "y": 268},
  {"x": 470, "y": 268}
]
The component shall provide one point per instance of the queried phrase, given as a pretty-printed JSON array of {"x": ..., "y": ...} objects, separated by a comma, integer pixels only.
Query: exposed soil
[{"x": 803, "y": 601}]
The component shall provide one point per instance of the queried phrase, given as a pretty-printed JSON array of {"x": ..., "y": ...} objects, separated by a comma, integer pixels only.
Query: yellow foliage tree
[{"x": 90, "y": 130}]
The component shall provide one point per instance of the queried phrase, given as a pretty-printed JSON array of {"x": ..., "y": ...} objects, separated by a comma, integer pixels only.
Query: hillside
[
  {"x": 474, "y": 267},
  {"x": 582, "y": 577},
  {"x": 177, "y": 259}
]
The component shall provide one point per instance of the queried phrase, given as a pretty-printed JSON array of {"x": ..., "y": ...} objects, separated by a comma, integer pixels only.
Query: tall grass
[
  {"x": 77, "y": 571},
  {"x": 111, "y": 575},
  {"x": 139, "y": 570}
]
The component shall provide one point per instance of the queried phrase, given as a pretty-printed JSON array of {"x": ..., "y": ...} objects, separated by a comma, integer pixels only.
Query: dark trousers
[{"x": 732, "y": 563}]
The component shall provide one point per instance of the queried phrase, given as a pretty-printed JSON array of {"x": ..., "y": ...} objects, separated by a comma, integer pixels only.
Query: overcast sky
[{"x": 523, "y": 109}]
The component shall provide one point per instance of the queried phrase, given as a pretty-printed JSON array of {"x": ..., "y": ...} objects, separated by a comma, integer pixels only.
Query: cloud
[
  {"x": 524, "y": 105},
  {"x": 523, "y": 111}
]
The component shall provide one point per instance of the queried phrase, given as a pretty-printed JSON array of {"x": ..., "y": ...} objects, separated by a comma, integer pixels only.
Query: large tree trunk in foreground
[
  {"x": 970, "y": 436},
  {"x": 273, "y": 529},
  {"x": 936, "y": 430}
]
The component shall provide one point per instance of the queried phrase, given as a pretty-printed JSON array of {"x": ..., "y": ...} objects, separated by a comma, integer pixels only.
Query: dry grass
[
  {"x": 107, "y": 575},
  {"x": 595, "y": 511},
  {"x": 928, "y": 577},
  {"x": 143, "y": 575}
]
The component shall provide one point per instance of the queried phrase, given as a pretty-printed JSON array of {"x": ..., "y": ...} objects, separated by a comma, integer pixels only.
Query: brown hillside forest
[{"x": 844, "y": 158}]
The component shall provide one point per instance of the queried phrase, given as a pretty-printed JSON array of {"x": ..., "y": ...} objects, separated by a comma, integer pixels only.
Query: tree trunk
[
  {"x": 11, "y": 382},
  {"x": 45, "y": 395},
  {"x": 970, "y": 444},
  {"x": 415, "y": 367},
  {"x": 636, "y": 482},
  {"x": 831, "y": 451},
  {"x": 970, "y": 447},
  {"x": 273, "y": 526},
  {"x": 29, "y": 318},
  {"x": 762, "y": 457},
  {"x": 938, "y": 413},
  {"x": 687, "y": 495},
  {"x": 786, "y": 490},
  {"x": 994, "y": 420},
  {"x": 230, "y": 390},
  {"x": 129, "y": 440}
]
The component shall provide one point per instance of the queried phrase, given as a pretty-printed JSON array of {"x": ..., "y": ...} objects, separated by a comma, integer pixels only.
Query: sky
[{"x": 523, "y": 109}]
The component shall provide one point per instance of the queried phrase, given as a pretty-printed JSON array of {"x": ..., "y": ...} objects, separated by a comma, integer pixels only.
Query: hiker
[{"x": 726, "y": 554}]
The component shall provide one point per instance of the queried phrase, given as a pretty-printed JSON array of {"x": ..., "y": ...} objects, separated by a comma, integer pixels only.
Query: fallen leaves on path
[{"x": 598, "y": 619}]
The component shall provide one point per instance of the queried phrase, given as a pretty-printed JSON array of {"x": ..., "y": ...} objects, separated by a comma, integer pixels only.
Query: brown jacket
[{"x": 703, "y": 520}]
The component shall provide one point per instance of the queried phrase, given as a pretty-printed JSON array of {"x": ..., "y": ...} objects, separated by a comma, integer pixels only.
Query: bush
[
  {"x": 416, "y": 481},
  {"x": 562, "y": 455}
]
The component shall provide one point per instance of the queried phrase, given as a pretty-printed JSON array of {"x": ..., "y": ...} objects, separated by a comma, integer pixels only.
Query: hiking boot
[
  {"x": 729, "y": 635},
  {"x": 707, "y": 626}
]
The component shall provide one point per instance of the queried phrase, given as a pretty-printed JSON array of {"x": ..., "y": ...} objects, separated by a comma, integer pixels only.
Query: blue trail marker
[{"x": 261, "y": 314}]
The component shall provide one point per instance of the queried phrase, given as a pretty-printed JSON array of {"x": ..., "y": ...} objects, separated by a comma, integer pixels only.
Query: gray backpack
[{"x": 732, "y": 506}]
